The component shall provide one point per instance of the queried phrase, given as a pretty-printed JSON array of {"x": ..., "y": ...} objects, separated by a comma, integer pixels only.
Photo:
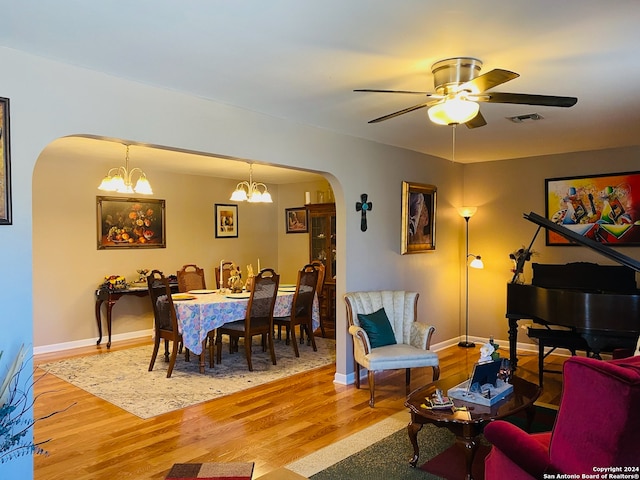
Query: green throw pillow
[{"x": 378, "y": 328}]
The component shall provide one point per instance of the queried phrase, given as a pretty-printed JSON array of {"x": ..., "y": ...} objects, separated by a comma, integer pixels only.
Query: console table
[{"x": 111, "y": 296}]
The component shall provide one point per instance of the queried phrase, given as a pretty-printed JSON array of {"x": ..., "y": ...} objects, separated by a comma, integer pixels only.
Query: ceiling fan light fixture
[{"x": 453, "y": 111}]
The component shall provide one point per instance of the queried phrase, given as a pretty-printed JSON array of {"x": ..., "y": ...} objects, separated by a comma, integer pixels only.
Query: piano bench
[{"x": 555, "y": 339}]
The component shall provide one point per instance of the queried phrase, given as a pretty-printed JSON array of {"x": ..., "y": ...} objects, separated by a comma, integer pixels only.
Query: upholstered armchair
[
  {"x": 598, "y": 425},
  {"x": 387, "y": 336}
]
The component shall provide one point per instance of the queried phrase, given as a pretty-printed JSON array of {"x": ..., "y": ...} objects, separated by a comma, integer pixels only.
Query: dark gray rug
[{"x": 388, "y": 459}]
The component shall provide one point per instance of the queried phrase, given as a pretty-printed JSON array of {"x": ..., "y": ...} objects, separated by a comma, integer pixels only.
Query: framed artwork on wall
[
  {"x": 5, "y": 164},
  {"x": 226, "y": 220},
  {"x": 418, "y": 218},
  {"x": 130, "y": 223},
  {"x": 296, "y": 220},
  {"x": 604, "y": 208}
]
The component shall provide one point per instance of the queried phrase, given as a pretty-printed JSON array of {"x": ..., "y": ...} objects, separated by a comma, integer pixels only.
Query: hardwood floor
[{"x": 271, "y": 425}]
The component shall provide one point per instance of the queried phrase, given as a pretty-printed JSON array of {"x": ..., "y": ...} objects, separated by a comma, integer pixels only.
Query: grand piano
[{"x": 600, "y": 303}]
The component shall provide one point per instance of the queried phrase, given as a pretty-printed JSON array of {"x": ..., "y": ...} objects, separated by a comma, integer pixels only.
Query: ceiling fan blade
[
  {"x": 402, "y": 112},
  {"x": 477, "y": 121},
  {"x": 428, "y": 94},
  {"x": 527, "y": 99},
  {"x": 488, "y": 80}
]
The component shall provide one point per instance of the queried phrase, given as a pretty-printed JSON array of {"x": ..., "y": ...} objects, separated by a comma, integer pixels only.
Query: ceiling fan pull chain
[{"x": 453, "y": 143}]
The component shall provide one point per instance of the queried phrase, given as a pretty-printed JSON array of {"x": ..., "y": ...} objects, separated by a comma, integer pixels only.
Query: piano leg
[{"x": 513, "y": 343}]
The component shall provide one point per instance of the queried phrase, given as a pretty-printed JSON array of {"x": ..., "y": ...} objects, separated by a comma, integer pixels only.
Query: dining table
[{"x": 202, "y": 311}]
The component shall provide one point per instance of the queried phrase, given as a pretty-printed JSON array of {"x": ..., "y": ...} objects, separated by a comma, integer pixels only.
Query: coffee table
[{"x": 466, "y": 425}]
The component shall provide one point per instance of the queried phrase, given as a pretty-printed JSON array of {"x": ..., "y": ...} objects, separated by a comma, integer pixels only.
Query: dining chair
[
  {"x": 258, "y": 319},
  {"x": 320, "y": 292},
  {"x": 226, "y": 273},
  {"x": 165, "y": 320},
  {"x": 191, "y": 277},
  {"x": 301, "y": 307}
]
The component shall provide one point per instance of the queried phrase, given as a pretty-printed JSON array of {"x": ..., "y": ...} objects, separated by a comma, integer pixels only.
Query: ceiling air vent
[{"x": 524, "y": 118}]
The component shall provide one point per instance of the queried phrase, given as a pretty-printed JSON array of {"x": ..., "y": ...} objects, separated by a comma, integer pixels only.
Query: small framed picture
[
  {"x": 226, "y": 220},
  {"x": 418, "y": 218},
  {"x": 130, "y": 223},
  {"x": 296, "y": 219}
]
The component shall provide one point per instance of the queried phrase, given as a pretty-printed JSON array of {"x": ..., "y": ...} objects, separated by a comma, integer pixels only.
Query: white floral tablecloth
[{"x": 196, "y": 318}]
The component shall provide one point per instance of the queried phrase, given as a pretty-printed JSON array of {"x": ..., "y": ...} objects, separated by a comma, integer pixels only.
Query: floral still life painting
[{"x": 130, "y": 223}]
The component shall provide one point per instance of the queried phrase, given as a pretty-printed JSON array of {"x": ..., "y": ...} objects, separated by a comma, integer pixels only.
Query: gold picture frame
[
  {"x": 418, "y": 218},
  {"x": 5, "y": 164}
]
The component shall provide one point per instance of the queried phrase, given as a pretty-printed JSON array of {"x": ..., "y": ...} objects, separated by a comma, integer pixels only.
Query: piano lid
[{"x": 587, "y": 242}]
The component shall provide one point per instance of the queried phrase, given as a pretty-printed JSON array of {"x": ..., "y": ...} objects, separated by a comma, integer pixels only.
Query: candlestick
[
  {"x": 258, "y": 265},
  {"x": 221, "y": 276}
]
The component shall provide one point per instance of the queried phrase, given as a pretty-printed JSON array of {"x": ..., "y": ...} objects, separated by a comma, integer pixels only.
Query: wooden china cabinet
[{"x": 322, "y": 246}]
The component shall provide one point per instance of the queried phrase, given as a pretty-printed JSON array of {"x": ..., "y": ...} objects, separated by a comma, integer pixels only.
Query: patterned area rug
[
  {"x": 121, "y": 377},
  {"x": 211, "y": 471}
]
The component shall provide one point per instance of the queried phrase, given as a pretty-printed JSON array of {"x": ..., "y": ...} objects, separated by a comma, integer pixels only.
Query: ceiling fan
[{"x": 459, "y": 87}]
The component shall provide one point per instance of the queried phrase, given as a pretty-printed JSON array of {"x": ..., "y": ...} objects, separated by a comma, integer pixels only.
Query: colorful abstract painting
[{"x": 604, "y": 208}]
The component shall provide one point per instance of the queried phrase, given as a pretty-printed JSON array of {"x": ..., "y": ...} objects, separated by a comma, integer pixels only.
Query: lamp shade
[
  {"x": 453, "y": 111},
  {"x": 467, "y": 212},
  {"x": 476, "y": 262}
]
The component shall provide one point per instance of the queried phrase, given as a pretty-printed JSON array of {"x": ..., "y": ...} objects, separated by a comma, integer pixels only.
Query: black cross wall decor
[{"x": 363, "y": 206}]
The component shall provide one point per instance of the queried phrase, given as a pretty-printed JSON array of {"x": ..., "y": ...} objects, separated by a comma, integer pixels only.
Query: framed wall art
[
  {"x": 418, "y": 218},
  {"x": 226, "y": 220},
  {"x": 604, "y": 208},
  {"x": 5, "y": 164},
  {"x": 130, "y": 223},
  {"x": 296, "y": 220}
]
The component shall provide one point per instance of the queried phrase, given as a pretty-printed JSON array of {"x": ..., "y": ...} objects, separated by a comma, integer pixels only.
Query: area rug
[
  {"x": 122, "y": 377},
  {"x": 388, "y": 458},
  {"x": 211, "y": 471}
]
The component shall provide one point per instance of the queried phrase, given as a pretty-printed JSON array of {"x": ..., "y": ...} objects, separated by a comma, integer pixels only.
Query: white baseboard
[{"x": 59, "y": 347}]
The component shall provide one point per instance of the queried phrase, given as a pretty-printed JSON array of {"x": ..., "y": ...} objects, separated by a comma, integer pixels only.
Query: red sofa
[{"x": 598, "y": 426}]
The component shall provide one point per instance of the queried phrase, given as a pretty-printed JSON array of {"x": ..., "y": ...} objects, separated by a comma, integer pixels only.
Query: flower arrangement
[
  {"x": 114, "y": 282},
  {"x": 489, "y": 351},
  {"x": 15, "y": 424}
]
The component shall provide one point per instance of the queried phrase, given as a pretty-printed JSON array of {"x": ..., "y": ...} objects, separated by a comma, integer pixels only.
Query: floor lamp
[{"x": 467, "y": 213}]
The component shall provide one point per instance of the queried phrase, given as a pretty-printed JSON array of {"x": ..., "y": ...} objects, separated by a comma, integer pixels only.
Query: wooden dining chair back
[
  {"x": 191, "y": 277},
  {"x": 320, "y": 292},
  {"x": 258, "y": 319},
  {"x": 165, "y": 320},
  {"x": 301, "y": 307},
  {"x": 226, "y": 273}
]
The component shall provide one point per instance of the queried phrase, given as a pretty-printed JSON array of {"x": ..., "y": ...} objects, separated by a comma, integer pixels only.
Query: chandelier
[
  {"x": 119, "y": 179},
  {"x": 250, "y": 191}
]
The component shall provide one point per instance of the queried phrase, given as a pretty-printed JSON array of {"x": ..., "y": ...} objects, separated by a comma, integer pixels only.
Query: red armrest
[{"x": 523, "y": 449}]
